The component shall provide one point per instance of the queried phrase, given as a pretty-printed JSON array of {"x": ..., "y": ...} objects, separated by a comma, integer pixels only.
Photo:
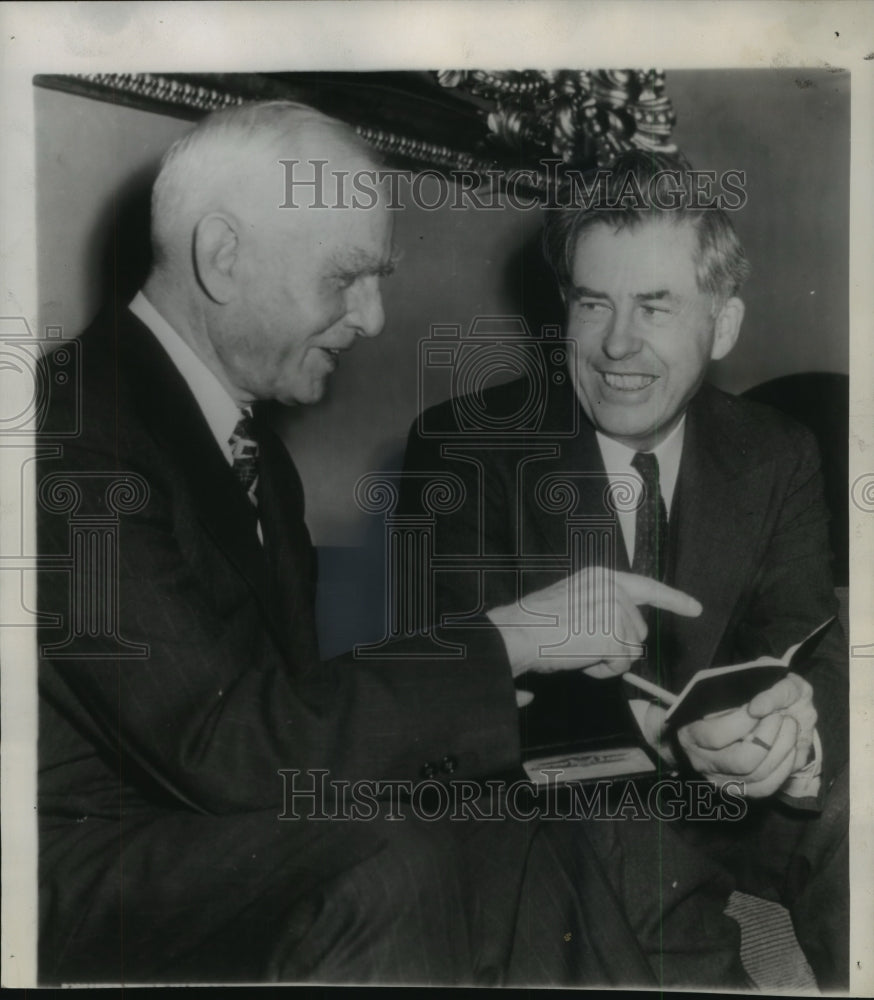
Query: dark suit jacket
[
  {"x": 748, "y": 527},
  {"x": 231, "y": 689}
]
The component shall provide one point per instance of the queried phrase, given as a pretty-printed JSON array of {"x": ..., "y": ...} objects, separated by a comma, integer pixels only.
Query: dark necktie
[
  {"x": 289, "y": 557},
  {"x": 651, "y": 531},
  {"x": 244, "y": 451},
  {"x": 650, "y": 554}
]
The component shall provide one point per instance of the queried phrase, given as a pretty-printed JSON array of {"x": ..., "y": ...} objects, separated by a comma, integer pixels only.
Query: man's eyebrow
[
  {"x": 584, "y": 292},
  {"x": 359, "y": 261},
  {"x": 394, "y": 258},
  {"x": 659, "y": 294},
  {"x": 656, "y": 295}
]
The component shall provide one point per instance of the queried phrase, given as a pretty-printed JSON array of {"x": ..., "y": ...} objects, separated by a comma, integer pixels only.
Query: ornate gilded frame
[{"x": 451, "y": 120}]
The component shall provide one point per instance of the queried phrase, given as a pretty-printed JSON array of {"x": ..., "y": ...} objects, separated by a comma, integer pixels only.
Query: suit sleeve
[{"x": 214, "y": 710}]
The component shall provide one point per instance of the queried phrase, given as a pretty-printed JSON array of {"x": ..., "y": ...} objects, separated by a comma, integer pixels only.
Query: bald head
[{"x": 231, "y": 162}]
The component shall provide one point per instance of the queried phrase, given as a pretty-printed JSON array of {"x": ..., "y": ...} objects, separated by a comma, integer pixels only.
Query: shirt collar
[
  {"x": 219, "y": 409},
  {"x": 617, "y": 458}
]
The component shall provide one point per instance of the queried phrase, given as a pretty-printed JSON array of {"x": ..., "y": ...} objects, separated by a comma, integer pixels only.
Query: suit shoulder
[
  {"x": 494, "y": 406},
  {"x": 95, "y": 402},
  {"x": 756, "y": 427}
]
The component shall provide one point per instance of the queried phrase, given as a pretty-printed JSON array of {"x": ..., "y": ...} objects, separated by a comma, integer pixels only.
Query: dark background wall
[{"x": 788, "y": 129}]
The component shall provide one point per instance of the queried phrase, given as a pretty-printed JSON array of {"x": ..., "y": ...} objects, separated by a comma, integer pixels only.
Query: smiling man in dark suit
[
  {"x": 728, "y": 509},
  {"x": 185, "y": 715}
]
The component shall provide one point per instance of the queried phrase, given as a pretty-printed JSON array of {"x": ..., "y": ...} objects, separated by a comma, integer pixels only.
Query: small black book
[{"x": 721, "y": 689}]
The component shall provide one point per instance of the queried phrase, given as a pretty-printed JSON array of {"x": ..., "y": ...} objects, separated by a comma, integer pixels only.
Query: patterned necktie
[
  {"x": 244, "y": 450},
  {"x": 650, "y": 551},
  {"x": 651, "y": 531}
]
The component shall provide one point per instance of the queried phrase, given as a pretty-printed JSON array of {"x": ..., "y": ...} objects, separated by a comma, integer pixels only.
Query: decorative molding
[
  {"x": 487, "y": 122},
  {"x": 583, "y": 117},
  {"x": 165, "y": 90}
]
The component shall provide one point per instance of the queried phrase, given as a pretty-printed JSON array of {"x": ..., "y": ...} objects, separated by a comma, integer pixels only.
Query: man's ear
[
  {"x": 727, "y": 327},
  {"x": 215, "y": 256}
]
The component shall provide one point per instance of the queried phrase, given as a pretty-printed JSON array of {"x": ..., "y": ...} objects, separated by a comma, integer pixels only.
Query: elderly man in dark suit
[
  {"x": 185, "y": 717},
  {"x": 728, "y": 509}
]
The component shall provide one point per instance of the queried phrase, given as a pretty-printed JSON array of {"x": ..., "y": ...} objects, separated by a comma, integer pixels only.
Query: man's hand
[
  {"x": 590, "y": 620},
  {"x": 792, "y": 696},
  {"x": 758, "y": 745}
]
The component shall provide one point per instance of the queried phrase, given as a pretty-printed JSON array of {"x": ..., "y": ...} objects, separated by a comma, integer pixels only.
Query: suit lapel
[
  {"x": 714, "y": 518},
  {"x": 169, "y": 412},
  {"x": 287, "y": 545},
  {"x": 714, "y": 523},
  {"x": 578, "y": 462}
]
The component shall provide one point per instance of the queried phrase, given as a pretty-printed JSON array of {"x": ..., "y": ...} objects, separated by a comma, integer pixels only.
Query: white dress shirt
[
  {"x": 219, "y": 409},
  {"x": 617, "y": 461}
]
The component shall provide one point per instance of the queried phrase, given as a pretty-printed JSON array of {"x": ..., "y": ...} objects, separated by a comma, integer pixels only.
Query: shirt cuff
[{"x": 638, "y": 708}]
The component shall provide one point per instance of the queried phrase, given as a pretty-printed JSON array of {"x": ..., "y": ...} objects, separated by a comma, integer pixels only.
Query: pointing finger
[
  {"x": 643, "y": 590},
  {"x": 629, "y": 619}
]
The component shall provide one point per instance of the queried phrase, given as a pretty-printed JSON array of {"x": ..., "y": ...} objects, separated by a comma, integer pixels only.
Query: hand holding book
[
  {"x": 757, "y": 754},
  {"x": 751, "y": 722}
]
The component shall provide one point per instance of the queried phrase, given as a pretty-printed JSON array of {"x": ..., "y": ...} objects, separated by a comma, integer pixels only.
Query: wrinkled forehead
[
  {"x": 352, "y": 237},
  {"x": 659, "y": 242},
  {"x": 324, "y": 165},
  {"x": 310, "y": 165},
  {"x": 335, "y": 219}
]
